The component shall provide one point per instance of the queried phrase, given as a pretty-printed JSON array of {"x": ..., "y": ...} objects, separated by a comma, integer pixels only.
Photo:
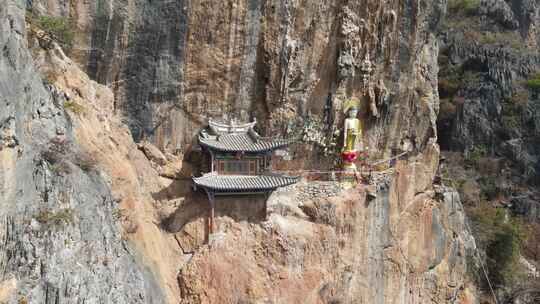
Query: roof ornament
[
  {"x": 204, "y": 133},
  {"x": 234, "y": 136}
]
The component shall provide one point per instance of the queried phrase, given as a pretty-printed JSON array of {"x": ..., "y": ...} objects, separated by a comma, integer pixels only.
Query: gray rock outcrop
[{"x": 60, "y": 240}]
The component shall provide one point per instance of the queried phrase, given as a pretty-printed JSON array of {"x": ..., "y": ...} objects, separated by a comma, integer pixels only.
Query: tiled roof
[
  {"x": 241, "y": 142},
  {"x": 243, "y": 183},
  {"x": 235, "y": 137}
]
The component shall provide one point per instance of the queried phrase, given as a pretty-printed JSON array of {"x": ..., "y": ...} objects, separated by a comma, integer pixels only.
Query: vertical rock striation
[
  {"x": 492, "y": 53},
  {"x": 174, "y": 64},
  {"x": 70, "y": 175},
  {"x": 60, "y": 241},
  {"x": 408, "y": 245}
]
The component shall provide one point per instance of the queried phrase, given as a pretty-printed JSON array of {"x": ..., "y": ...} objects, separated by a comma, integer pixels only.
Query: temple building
[{"x": 239, "y": 162}]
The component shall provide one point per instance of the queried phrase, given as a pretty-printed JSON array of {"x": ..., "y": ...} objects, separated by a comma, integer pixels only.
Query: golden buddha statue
[{"x": 352, "y": 135}]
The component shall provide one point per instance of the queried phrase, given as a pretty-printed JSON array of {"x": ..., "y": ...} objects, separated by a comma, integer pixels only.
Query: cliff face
[
  {"x": 408, "y": 245},
  {"x": 95, "y": 212},
  {"x": 489, "y": 120},
  {"x": 494, "y": 49},
  {"x": 173, "y": 64},
  {"x": 60, "y": 242}
]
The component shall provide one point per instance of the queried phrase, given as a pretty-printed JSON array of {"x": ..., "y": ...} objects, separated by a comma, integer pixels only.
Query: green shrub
[
  {"x": 61, "y": 168},
  {"x": 507, "y": 39},
  {"x": 59, "y": 28},
  {"x": 74, "y": 107},
  {"x": 503, "y": 253},
  {"x": 470, "y": 78},
  {"x": 501, "y": 236},
  {"x": 448, "y": 86},
  {"x": 452, "y": 78},
  {"x": 511, "y": 111},
  {"x": 475, "y": 154},
  {"x": 510, "y": 122},
  {"x": 520, "y": 96},
  {"x": 534, "y": 82},
  {"x": 488, "y": 187},
  {"x": 447, "y": 110},
  {"x": 64, "y": 216},
  {"x": 463, "y": 6}
]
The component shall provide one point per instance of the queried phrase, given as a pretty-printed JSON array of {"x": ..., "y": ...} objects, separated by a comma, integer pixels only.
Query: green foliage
[
  {"x": 475, "y": 154},
  {"x": 64, "y": 216},
  {"x": 504, "y": 252},
  {"x": 510, "y": 122},
  {"x": 501, "y": 235},
  {"x": 507, "y": 39},
  {"x": 488, "y": 187},
  {"x": 520, "y": 96},
  {"x": 511, "y": 112},
  {"x": 448, "y": 86},
  {"x": 451, "y": 79},
  {"x": 447, "y": 109},
  {"x": 119, "y": 214},
  {"x": 468, "y": 7},
  {"x": 470, "y": 77},
  {"x": 460, "y": 183},
  {"x": 59, "y": 28},
  {"x": 61, "y": 168},
  {"x": 534, "y": 82},
  {"x": 74, "y": 107}
]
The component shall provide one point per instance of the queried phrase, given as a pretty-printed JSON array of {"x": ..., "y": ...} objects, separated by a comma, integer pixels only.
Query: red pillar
[
  {"x": 211, "y": 200},
  {"x": 212, "y": 208}
]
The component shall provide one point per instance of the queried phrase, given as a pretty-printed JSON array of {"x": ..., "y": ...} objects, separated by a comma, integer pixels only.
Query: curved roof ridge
[
  {"x": 231, "y": 127},
  {"x": 245, "y": 183}
]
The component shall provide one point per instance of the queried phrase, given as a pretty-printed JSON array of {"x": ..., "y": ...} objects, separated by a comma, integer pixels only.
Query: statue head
[
  {"x": 352, "y": 113},
  {"x": 350, "y": 107}
]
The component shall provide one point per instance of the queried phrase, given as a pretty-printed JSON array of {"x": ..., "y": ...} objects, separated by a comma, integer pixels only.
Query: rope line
[
  {"x": 477, "y": 254},
  {"x": 344, "y": 171},
  {"x": 389, "y": 159},
  {"x": 482, "y": 265}
]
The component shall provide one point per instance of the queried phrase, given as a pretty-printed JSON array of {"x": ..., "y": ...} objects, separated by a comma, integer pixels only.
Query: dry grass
[
  {"x": 86, "y": 161},
  {"x": 74, "y": 107},
  {"x": 64, "y": 216}
]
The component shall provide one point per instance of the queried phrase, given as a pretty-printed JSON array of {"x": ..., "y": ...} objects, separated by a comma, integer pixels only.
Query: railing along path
[{"x": 365, "y": 168}]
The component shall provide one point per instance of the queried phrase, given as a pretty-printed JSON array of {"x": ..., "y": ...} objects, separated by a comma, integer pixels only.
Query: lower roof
[{"x": 243, "y": 183}]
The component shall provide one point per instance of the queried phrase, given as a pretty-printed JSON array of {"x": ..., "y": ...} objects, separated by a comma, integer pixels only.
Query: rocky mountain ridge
[{"x": 97, "y": 153}]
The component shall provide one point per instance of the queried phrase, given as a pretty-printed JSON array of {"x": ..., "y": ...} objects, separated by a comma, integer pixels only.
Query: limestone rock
[
  {"x": 346, "y": 251},
  {"x": 152, "y": 153},
  {"x": 61, "y": 242},
  {"x": 154, "y": 72},
  {"x": 500, "y": 11},
  {"x": 495, "y": 110}
]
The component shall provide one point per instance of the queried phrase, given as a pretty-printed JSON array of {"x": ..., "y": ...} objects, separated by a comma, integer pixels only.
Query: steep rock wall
[
  {"x": 174, "y": 64},
  {"x": 492, "y": 52},
  {"x": 60, "y": 241},
  {"x": 405, "y": 246},
  {"x": 167, "y": 66}
]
